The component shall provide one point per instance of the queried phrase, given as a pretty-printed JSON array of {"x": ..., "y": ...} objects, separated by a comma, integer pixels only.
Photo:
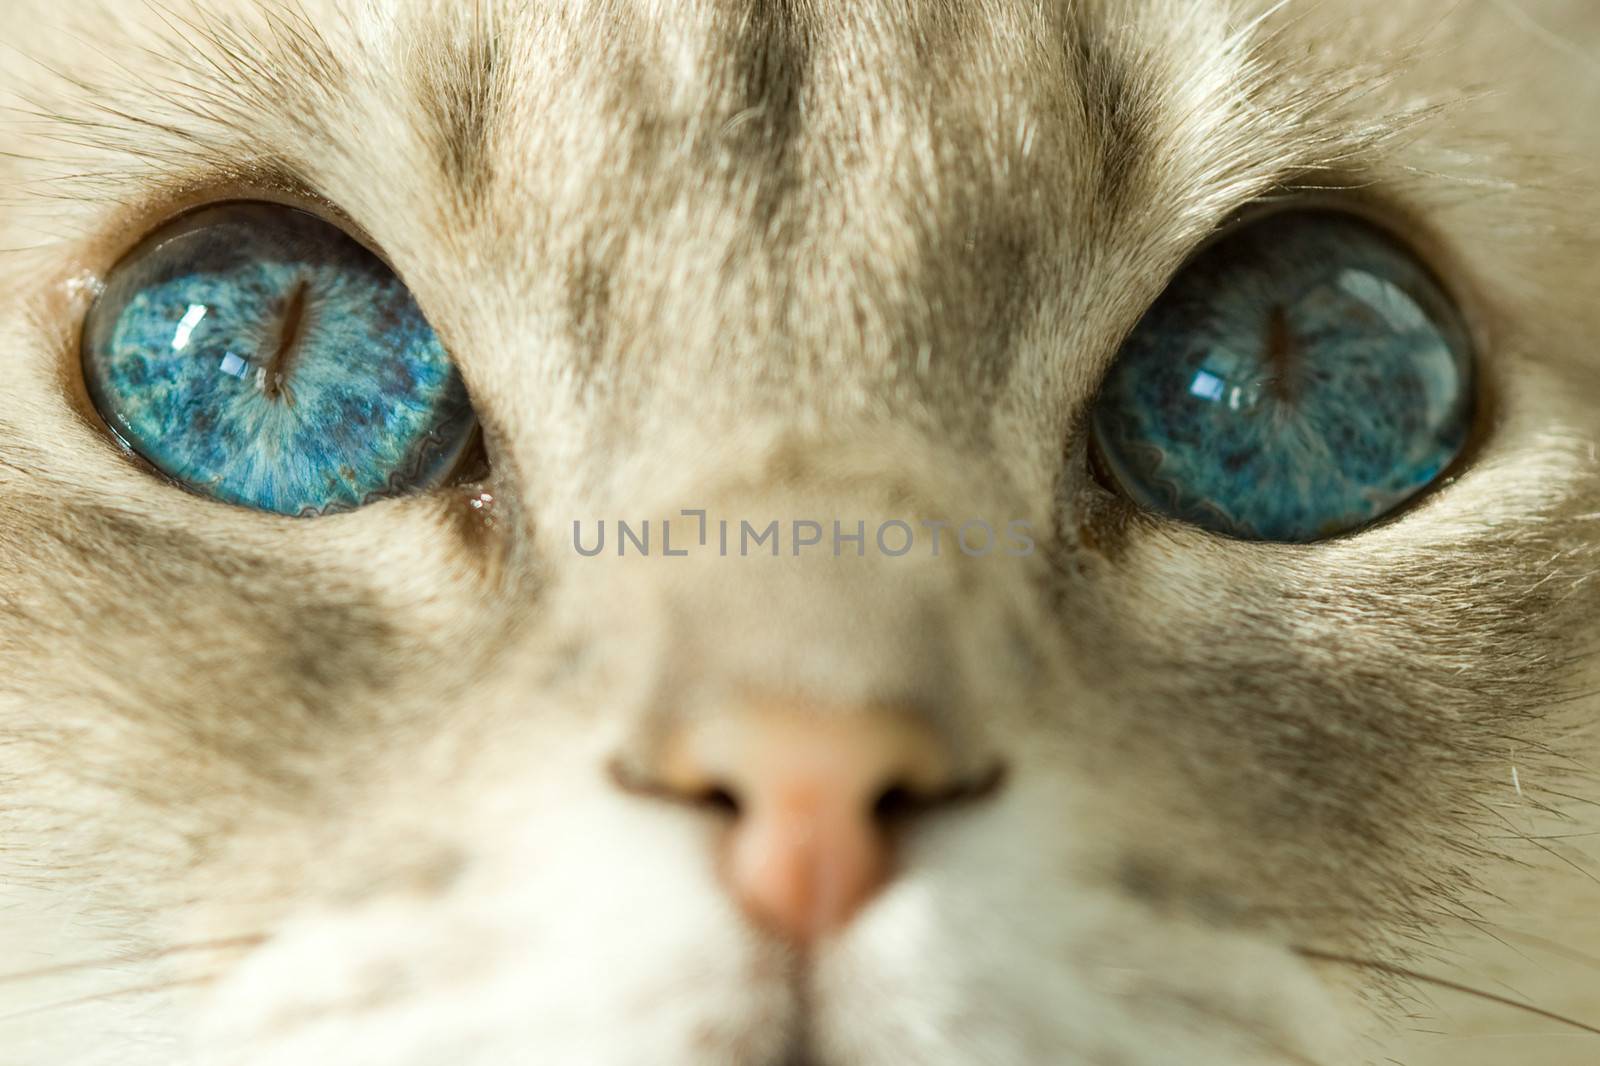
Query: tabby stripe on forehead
[
  {"x": 461, "y": 90},
  {"x": 1118, "y": 106},
  {"x": 772, "y": 60}
]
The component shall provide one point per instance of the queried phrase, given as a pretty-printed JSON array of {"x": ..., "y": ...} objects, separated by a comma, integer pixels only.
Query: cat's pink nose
[{"x": 813, "y": 793}]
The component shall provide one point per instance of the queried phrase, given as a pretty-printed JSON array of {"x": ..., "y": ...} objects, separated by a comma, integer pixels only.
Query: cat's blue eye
[
  {"x": 1303, "y": 377},
  {"x": 259, "y": 355}
]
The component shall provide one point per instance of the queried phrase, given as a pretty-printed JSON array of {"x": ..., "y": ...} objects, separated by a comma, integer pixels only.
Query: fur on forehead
[{"x": 1224, "y": 101}]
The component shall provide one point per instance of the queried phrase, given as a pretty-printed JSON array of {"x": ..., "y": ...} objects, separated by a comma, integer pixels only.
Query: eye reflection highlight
[{"x": 186, "y": 326}]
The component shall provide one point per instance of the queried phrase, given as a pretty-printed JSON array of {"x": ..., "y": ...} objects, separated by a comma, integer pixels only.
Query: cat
[{"x": 420, "y": 783}]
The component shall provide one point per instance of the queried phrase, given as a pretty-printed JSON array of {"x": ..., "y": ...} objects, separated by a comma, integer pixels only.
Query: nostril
[
  {"x": 899, "y": 800},
  {"x": 721, "y": 800},
  {"x": 894, "y": 804}
]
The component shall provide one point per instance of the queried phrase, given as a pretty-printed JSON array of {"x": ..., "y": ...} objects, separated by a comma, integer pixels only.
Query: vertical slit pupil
[{"x": 291, "y": 326}]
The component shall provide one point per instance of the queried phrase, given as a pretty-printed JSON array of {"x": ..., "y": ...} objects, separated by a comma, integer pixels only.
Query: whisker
[
  {"x": 63, "y": 969},
  {"x": 101, "y": 997},
  {"x": 1554, "y": 947},
  {"x": 1571, "y": 798},
  {"x": 1547, "y": 849},
  {"x": 1393, "y": 970}
]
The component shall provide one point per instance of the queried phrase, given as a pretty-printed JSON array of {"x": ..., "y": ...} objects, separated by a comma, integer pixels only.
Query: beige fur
[{"x": 844, "y": 259}]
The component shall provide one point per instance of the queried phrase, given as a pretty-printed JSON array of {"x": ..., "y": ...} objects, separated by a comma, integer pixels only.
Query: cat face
[{"x": 438, "y": 780}]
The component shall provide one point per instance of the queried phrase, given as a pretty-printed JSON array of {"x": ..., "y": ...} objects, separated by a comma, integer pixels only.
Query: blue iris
[
  {"x": 1304, "y": 376},
  {"x": 262, "y": 356}
]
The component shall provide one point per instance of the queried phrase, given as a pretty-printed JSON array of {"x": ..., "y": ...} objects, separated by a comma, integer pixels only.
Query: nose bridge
[
  {"x": 870, "y": 571},
  {"x": 828, "y": 632}
]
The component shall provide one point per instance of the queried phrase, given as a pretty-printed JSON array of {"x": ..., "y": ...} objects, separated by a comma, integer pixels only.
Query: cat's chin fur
[{"x": 336, "y": 790}]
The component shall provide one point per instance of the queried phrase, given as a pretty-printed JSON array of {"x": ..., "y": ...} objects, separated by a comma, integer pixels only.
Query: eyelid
[
  {"x": 159, "y": 208},
  {"x": 1388, "y": 208}
]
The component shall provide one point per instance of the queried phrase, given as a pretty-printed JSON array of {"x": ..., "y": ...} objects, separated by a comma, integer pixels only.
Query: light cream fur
[{"x": 805, "y": 259}]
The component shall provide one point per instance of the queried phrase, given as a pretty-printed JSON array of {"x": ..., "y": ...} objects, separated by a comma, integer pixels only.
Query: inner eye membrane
[
  {"x": 259, "y": 355},
  {"x": 1301, "y": 378}
]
